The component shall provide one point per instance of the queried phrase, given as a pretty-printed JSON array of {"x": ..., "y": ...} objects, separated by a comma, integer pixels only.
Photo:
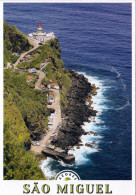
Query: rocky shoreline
[{"x": 78, "y": 111}]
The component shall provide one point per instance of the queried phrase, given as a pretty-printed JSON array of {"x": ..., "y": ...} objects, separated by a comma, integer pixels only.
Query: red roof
[
  {"x": 39, "y": 24},
  {"x": 42, "y": 86},
  {"x": 50, "y": 81},
  {"x": 29, "y": 77}
]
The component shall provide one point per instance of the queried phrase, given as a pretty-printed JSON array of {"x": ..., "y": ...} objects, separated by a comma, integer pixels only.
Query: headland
[{"x": 60, "y": 99}]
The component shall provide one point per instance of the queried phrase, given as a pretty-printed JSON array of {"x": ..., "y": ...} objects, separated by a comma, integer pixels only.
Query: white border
[{"x": 118, "y": 187}]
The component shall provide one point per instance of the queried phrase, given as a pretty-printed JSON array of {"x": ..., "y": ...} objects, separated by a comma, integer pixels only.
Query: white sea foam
[
  {"x": 46, "y": 168},
  {"x": 81, "y": 155},
  {"x": 96, "y": 125}
]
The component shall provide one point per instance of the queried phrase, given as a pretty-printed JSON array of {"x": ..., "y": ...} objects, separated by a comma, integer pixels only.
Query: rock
[
  {"x": 69, "y": 159},
  {"x": 79, "y": 143},
  {"x": 51, "y": 147},
  {"x": 89, "y": 145},
  {"x": 70, "y": 147},
  {"x": 76, "y": 112},
  {"x": 85, "y": 133},
  {"x": 59, "y": 154},
  {"x": 94, "y": 133},
  {"x": 59, "y": 150}
]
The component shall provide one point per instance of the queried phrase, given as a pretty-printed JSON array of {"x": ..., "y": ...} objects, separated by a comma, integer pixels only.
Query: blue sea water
[{"x": 95, "y": 40}]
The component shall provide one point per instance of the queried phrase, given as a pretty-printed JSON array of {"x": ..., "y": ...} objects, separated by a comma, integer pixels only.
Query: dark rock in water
[
  {"x": 85, "y": 133},
  {"x": 76, "y": 113},
  {"x": 95, "y": 134},
  {"x": 69, "y": 159},
  {"x": 58, "y": 154},
  {"x": 80, "y": 144},
  {"x": 89, "y": 145}
]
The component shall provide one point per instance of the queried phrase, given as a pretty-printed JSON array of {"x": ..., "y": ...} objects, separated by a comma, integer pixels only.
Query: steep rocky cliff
[{"x": 76, "y": 112}]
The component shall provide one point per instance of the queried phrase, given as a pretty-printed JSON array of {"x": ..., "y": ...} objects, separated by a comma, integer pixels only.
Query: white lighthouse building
[{"x": 40, "y": 35}]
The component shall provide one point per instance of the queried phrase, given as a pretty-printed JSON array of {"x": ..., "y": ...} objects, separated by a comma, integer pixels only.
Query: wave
[
  {"x": 115, "y": 70},
  {"x": 46, "y": 167},
  {"x": 127, "y": 104},
  {"x": 82, "y": 153}
]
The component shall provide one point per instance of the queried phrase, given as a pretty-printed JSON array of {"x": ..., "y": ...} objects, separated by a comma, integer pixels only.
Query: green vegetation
[
  {"x": 18, "y": 162},
  {"x": 50, "y": 51},
  {"x": 31, "y": 103},
  {"x": 25, "y": 113},
  {"x": 14, "y": 41},
  {"x": 25, "y": 109},
  {"x": 55, "y": 69}
]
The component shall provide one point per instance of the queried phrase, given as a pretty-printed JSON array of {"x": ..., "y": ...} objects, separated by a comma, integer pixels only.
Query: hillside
[
  {"x": 55, "y": 69},
  {"x": 19, "y": 164},
  {"x": 14, "y": 41},
  {"x": 25, "y": 108}
]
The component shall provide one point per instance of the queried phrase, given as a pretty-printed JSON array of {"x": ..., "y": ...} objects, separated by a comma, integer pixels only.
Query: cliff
[
  {"x": 26, "y": 112},
  {"x": 29, "y": 120},
  {"x": 76, "y": 112}
]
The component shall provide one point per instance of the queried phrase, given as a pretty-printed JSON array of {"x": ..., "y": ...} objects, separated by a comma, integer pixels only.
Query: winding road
[
  {"x": 56, "y": 105},
  {"x": 35, "y": 44}
]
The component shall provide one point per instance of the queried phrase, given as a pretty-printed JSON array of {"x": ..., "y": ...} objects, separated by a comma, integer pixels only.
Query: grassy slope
[
  {"x": 14, "y": 41},
  {"x": 26, "y": 109},
  {"x": 18, "y": 162},
  {"x": 23, "y": 107},
  {"x": 55, "y": 69},
  {"x": 31, "y": 103}
]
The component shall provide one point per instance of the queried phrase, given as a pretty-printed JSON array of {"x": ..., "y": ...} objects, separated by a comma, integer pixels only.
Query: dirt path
[
  {"x": 41, "y": 77},
  {"x": 32, "y": 42},
  {"x": 57, "y": 120},
  {"x": 56, "y": 105}
]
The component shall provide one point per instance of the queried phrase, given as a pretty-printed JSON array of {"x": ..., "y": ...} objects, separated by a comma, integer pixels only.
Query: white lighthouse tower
[
  {"x": 39, "y": 29},
  {"x": 41, "y": 36}
]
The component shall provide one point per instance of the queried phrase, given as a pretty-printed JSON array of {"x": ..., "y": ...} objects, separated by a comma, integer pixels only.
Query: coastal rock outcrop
[
  {"x": 76, "y": 113},
  {"x": 58, "y": 154}
]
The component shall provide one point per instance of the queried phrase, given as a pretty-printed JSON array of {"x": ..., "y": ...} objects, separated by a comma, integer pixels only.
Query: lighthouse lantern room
[{"x": 39, "y": 29}]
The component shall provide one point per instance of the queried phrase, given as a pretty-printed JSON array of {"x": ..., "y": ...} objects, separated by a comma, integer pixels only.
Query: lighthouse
[
  {"x": 39, "y": 29},
  {"x": 41, "y": 36}
]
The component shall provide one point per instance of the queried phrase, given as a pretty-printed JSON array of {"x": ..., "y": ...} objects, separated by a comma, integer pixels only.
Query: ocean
[{"x": 95, "y": 40}]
